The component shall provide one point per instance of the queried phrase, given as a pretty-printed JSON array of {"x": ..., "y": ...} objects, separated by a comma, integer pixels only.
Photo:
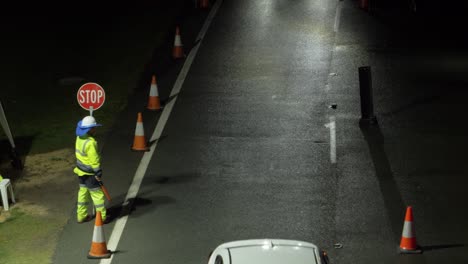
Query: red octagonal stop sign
[{"x": 91, "y": 96}]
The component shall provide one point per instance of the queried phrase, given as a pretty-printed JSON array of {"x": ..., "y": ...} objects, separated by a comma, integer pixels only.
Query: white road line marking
[
  {"x": 141, "y": 170},
  {"x": 337, "y": 16},
  {"x": 328, "y": 86},
  {"x": 332, "y": 127}
]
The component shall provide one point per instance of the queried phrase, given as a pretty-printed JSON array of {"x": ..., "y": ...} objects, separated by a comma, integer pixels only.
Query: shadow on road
[
  {"x": 136, "y": 206},
  {"x": 436, "y": 247},
  {"x": 176, "y": 179},
  {"x": 139, "y": 205},
  {"x": 391, "y": 195}
]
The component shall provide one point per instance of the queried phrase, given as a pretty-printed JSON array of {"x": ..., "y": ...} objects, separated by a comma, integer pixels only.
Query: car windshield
[{"x": 273, "y": 255}]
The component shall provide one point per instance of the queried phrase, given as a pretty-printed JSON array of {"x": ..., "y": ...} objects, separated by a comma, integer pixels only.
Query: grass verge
[{"x": 16, "y": 239}]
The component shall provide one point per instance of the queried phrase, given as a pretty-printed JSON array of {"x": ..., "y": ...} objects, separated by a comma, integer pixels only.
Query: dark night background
[
  {"x": 436, "y": 23},
  {"x": 248, "y": 128}
]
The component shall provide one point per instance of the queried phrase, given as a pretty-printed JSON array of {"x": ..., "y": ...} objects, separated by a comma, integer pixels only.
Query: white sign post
[{"x": 16, "y": 161}]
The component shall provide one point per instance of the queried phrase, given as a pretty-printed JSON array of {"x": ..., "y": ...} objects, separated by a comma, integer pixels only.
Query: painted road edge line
[
  {"x": 332, "y": 127},
  {"x": 336, "y": 25},
  {"x": 145, "y": 160}
]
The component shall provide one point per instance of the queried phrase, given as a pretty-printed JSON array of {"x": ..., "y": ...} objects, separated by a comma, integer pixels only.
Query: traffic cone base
[
  {"x": 408, "y": 244},
  {"x": 417, "y": 250},
  {"x": 154, "y": 104},
  {"x": 153, "y": 100},
  {"x": 98, "y": 246},
  {"x": 105, "y": 255},
  {"x": 139, "y": 141}
]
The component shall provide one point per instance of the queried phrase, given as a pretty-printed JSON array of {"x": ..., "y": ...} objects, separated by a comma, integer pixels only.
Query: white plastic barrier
[{"x": 5, "y": 184}]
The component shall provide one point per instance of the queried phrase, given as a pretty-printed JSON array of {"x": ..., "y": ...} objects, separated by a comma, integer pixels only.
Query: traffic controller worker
[{"x": 88, "y": 169}]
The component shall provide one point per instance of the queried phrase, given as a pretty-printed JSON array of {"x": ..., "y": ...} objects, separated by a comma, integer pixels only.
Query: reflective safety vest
[{"x": 88, "y": 161}]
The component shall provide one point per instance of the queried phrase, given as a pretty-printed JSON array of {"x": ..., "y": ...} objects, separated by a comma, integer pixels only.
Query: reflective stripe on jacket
[{"x": 87, "y": 156}]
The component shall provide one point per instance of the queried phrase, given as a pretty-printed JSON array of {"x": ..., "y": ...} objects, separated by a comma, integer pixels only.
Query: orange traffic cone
[
  {"x": 364, "y": 4},
  {"x": 204, "y": 3},
  {"x": 153, "y": 100},
  {"x": 139, "y": 142},
  {"x": 98, "y": 246},
  {"x": 178, "y": 51},
  {"x": 408, "y": 242}
]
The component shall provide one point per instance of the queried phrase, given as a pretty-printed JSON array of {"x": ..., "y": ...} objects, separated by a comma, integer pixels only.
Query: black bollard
[
  {"x": 16, "y": 160},
  {"x": 367, "y": 104}
]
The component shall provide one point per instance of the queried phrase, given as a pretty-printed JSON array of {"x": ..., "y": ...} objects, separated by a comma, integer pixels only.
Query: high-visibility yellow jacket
[{"x": 88, "y": 161}]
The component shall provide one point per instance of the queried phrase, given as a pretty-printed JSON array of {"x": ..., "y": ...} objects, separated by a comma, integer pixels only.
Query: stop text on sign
[{"x": 91, "y": 96}]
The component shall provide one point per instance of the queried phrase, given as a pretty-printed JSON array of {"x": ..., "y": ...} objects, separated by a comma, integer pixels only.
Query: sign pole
[
  {"x": 15, "y": 160},
  {"x": 5, "y": 126},
  {"x": 91, "y": 110}
]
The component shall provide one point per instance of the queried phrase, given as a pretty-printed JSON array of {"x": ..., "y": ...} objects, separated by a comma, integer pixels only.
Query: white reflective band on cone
[
  {"x": 98, "y": 236},
  {"x": 139, "y": 129},
  {"x": 177, "y": 41},
  {"x": 408, "y": 229},
  {"x": 154, "y": 90}
]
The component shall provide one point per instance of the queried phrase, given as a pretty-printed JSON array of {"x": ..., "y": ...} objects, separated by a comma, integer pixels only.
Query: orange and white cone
[
  {"x": 364, "y": 4},
  {"x": 139, "y": 142},
  {"x": 204, "y": 3},
  {"x": 408, "y": 242},
  {"x": 178, "y": 51},
  {"x": 98, "y": 246},
  {"x": 153, "y": 100}
]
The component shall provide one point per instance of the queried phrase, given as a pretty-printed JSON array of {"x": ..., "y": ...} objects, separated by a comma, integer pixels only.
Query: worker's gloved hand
[{"x": 98, "y": 175}]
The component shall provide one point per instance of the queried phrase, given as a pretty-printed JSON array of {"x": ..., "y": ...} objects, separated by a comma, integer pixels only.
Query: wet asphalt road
[
  {"x": 246, "y": 153},
  {"x": 246, "y": 150}
]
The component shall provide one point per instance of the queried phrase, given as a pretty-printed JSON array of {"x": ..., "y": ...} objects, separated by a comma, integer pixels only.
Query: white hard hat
[
  {"x": 85, "y": 125},
  {"x": 88, "y": 121}
]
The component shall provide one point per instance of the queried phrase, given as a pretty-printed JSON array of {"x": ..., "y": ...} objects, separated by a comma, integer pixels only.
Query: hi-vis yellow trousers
[{"x": 89, "y": 190}]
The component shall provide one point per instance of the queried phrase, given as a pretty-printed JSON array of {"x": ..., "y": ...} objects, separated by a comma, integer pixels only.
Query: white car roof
[{"x": 271, "y": 251}]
